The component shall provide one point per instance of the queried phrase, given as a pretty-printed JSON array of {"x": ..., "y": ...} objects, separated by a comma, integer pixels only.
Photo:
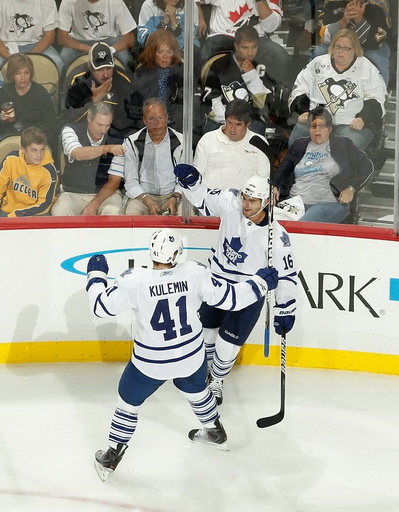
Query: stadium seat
[{"x": 9, "y": 144}]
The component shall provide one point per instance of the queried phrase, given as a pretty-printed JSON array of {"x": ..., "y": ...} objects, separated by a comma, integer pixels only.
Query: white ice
[{"x": 337, "y": 450}]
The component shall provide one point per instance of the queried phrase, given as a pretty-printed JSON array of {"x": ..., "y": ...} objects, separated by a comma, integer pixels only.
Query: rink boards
[{"x": 348, "y": 291}]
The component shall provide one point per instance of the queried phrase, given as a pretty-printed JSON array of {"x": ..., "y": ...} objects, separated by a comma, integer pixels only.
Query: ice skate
[
  {"x": 216, "y": 388},
  {"x": 215, "y": 436},
  {"x": 106, "y": 462}
]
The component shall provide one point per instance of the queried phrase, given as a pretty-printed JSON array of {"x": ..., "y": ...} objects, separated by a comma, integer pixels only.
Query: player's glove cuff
[
  {"x": 96, "y": 276},
  {"x": 259, "y": 286},
  {"x": 287, "y": 309}
]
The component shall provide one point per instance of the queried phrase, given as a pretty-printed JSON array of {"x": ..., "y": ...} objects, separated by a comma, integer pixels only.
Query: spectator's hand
[
  {"x": 100, "y": 92},
  {"x": 116, "y": 149},
  {"x": 246, "y": 65},
  {"x": 202, "y": 27},
  {"x": 276, "y": 194},
  {"x": 270, "y": 275},
  {"x": 170, "y": 12},
  {"x": 171, "y": 205},
  {"x": 97, "y": 270},
  {"x": 346, "y": 196},
  {"x": 187, "y": 175},
  {"x": 303, "y": 118},
  {"x": 153, "y": 207},
  {"x": 357, "y": 124},
  {"x": 90, "y": 209},
  {"x": 357, "y": 10}
]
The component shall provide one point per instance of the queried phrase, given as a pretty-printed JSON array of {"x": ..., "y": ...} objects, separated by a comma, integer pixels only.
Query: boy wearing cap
[
  {"x": 99, "y": 80},
  {"x": 108, "y": 21}
]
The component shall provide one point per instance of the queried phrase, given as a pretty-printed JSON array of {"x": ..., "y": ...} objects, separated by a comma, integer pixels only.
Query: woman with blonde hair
[
  {"x": 347, "y": 84},
  {"x": 159, "y": 74},
  {"x": 31, "y": 103}
]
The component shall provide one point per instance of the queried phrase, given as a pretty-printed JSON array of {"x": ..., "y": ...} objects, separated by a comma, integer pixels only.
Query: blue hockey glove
[
  {"x": 270, "y": 275},
  {"x": 187, "y": 175},
  {"x": 97, "y": 270},
  {"x": 285, "y": 323},
  {"x": 284, "y": 317}
]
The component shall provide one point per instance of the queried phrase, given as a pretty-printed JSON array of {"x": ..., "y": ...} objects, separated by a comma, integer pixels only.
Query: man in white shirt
[
  {"x": 28, "y": 27},
  {"x": 148, "y": 163},
  {"x": 224, "y": 157},
  {"x": 84, "y": 22}
]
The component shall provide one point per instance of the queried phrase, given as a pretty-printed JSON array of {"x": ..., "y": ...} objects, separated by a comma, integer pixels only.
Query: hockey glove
[
  {"x": 187, "y": 175},
  {"x": 97, "y": 270},
  {"x": 284, "y": 318},
  {"x": 270, "y": 275}
]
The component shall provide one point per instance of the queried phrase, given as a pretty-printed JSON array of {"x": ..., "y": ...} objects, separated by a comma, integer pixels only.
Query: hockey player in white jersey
[
  {"x": 240, "y": 248},
  {"x": 168, "y": 340}
]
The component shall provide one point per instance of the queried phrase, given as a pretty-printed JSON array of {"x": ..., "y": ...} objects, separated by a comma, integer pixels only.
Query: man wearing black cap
[
  {"x": 84, "y": 22},
  {"x": 99, "y": 80}
]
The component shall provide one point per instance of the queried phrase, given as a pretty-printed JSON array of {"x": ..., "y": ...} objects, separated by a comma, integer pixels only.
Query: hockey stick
[
  {"x": 266, "y": 150},
  {"x": 268, "y": 421}
]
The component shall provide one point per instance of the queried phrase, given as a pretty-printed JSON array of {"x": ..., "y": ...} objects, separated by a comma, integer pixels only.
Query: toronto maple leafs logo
[
  {"x": 337, "y": 93},
  {"x": 285, "y": 240},
  {"x": 232, "y": 251}
]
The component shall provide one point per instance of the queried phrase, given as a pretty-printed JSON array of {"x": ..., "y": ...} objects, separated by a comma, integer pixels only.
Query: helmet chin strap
[{"x": 262, "y": 207}]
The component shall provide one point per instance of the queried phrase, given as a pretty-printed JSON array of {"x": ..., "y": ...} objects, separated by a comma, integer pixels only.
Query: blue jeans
[
  {"x": 50, "y": 52},
  {"x": 380, "y": 58},
  {"x": 360, "y": 138},
  {"x": 325, "y": 212}
]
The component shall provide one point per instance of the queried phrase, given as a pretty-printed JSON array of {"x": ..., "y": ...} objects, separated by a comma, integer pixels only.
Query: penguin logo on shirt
[
  {"x": 337, "y": 93},
  {"x": 21, "y": 23},
  {"x": 94, "y": 21},
  {"x": 235, "y": 90}
]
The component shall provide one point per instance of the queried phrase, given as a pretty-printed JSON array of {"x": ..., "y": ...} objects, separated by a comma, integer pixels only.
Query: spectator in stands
[
  {"x": 238, "y": 75},
  {"x": 228, "y": 15},
  {"x": 87, "y": 189},
  {"x": 225, "y": 157},
  {"x": 100, "y": 80},
  {"x": 28, "y": 27},
  {"x": 370, "y": 20},
  {"x": 108, "y": 21},
  {"x": 28, "y": 178},
  {"x": 159, "y": 74},
  {"x": 167, "y": 15},
  {"x": 31, "y": 103},
  {"x": 147, "y": 167},
  {"x": 347, "y": 84},
  {"x": 324, "y": 170}
]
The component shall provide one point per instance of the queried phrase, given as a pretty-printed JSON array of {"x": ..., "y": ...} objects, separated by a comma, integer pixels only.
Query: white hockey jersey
[
  {"x": 229, "y": 15},
  {"x": 342, "y": 93},
  {"x": 241, "y": 246},
  {"x": 168, "y": 333}
]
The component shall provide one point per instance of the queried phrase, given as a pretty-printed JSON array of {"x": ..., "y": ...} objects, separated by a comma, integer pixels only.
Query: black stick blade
[
  {"x": 269, "y": 421},
  {"x": 263, "y": 146}
]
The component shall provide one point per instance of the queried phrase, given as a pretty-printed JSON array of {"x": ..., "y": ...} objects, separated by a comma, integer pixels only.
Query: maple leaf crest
[
  {"x": 286, "y": 240},
  {"x": 232, "y": 251},
  {"x": 234, "y": 16}
]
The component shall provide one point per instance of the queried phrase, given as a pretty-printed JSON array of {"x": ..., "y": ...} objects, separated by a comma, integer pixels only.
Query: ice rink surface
[{"x": 337, "y": 450}]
